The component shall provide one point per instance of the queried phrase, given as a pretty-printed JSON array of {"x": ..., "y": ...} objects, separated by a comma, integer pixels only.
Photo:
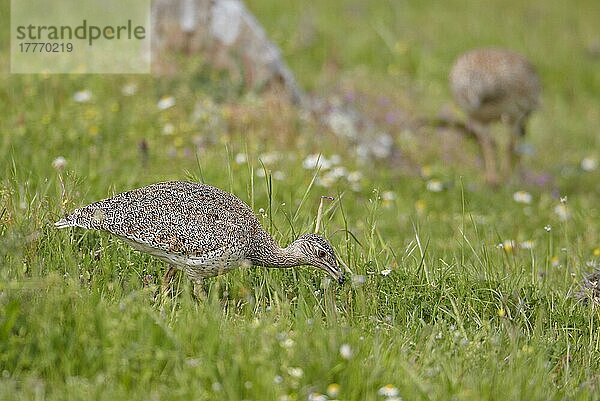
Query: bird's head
[{"x": 316, "y": 251}]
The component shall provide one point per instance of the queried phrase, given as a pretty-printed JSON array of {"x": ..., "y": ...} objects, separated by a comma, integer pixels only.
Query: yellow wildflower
[{"x": 333, "y": 390}]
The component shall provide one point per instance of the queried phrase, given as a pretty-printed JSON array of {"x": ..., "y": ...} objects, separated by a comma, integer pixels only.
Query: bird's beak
[{"x": 335, "y": 272}]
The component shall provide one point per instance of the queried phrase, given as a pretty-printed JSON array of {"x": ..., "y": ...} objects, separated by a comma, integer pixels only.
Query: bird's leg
[
  {"x": 199, "y": 293},
  {"x": 487, "y": 146},
  {"x": 167, "y": 279},
  {"x": 512, "y": 158}
]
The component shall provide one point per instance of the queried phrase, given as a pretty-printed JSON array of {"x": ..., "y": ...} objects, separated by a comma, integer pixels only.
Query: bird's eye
[{"x": 321, "y": 254}]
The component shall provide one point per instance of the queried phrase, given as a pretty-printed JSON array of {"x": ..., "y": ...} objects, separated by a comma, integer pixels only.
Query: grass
[{"x": 457, "y": 317}]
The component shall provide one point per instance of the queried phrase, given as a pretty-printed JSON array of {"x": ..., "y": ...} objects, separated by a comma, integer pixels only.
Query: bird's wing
[
  {"x": 178, "y": 222},
  {"x": 182, "y": 232}
]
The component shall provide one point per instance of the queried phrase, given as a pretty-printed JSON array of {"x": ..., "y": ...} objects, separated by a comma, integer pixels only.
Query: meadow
[{"x": 459, "y": 291}]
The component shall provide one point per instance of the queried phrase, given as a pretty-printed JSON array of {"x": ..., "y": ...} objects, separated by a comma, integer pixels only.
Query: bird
[
  {"x": 589, "y": 291},
  {"x": 495, "y": 85},
  {"x": 200, "y": 230}
]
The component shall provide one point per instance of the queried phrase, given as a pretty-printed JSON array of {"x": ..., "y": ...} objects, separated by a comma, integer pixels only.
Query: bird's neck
[{"x": 270, "y": 254}]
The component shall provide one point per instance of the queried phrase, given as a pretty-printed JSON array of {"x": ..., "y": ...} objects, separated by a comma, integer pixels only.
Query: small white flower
[
  {"x": 522, "y": 197},
  {"x": 279, "y": 175},
  {"x": 346, "y": 351},
  {"x": 296, "y": 372},
  {"x": 381, "y": 147},
  {"x": 315, "y": 161},
  {"x": 287, "y": 343},
  {"x": 562, "y": 212},
  {"x": 548, "y": 227},
  {"x": 326, "y": 181},
  {"x": 269, "y": 158},
  {"x": 362, "y": 152},
  {"x": 338, "y": 172},
  {"x": 260, "y": 172},
  {"x": 388, "y": 391},
  {"x": 166, "y": 102},
  {"x": 527, "y": 244},
  {"x": 278, "y": 379},
  {"x": 435, "y": 186},
  {"x": 59, "y": 163},
  {"x": 385, "y": 272},
  {"x": 216, "y": 386},
  {"x": 563, "y": 199},
  {"x": 83, "y": 96},
  {"x": 310, "y": 162},
  {"x": 317, "y": 397},
  {"x": 342, "y": 124},
  {"x": 388, "y": 196},
  {"x": 358, "y": 280},
  {"x": 168, "y": 129},
  {"x": 241, "y": 158},
  {"x": 129, "y": 89},
  {"x": 589, "y": 164},
  {"x": 354, "y": 176}
]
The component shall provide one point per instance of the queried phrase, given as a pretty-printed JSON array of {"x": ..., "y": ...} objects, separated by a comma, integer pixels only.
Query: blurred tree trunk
[{"x": 226, "y": 35}]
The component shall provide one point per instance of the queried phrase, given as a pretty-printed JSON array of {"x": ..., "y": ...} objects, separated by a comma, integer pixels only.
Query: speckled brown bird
[
  {"x": 198, "y": 229},
  {"x": 493, "y": 85},
  {"x": 589, "y": 290}
]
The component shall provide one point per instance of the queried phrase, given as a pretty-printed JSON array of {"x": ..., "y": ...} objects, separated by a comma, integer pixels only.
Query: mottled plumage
[
  {"x": 495, "y": 85},
  {"x": 589, "y": 290},
  {"x": 200, "y": 229}
]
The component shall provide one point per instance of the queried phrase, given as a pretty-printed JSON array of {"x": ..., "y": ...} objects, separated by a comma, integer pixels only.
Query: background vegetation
[{"x": 459, "y": 292}]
